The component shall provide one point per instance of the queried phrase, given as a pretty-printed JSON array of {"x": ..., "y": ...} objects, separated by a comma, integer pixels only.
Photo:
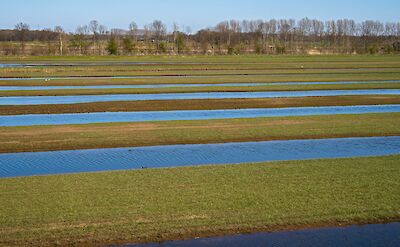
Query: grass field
[
  {"x": 272, "y": 88},
  {"x": 203, "y": 79},
  {"x": 93, "y": 209},
  {"x": 66, "y": 137},
  {"x": 203, "y": 65},
  {"x": 161, "y": 204}
]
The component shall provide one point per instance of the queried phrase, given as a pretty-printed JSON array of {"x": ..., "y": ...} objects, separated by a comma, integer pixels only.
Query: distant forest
[{"x": 283, "y": 36}]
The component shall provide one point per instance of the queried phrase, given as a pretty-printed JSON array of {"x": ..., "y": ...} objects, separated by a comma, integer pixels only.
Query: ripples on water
[
  {"x": 108, "y": 117},
  {"x": 59, "y": 162}
]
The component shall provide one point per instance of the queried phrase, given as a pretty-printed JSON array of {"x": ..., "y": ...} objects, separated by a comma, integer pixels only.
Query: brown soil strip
[{"x": 204, "y": 104}]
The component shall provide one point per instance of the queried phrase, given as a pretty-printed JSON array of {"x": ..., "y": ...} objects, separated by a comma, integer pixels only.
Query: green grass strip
[
  {"x": 164, "y": 204},
  {"x": 108, "y": 135},
  {"x": 272, "y": 88}
]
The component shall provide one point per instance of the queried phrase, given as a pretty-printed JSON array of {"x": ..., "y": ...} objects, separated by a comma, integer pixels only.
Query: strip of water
[
  {"x": 374, "y": 235},
  {"x": 74, "y": 99},
  {"x": 113, "y": 117},
  {"x": 95, "y": 160}
]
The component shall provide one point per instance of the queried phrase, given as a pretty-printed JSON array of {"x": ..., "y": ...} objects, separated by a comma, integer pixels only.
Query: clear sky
[{"x": 194, "y": 13}]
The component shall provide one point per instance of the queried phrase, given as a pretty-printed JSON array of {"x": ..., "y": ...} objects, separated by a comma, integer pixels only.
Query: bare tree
[
  {"x": 223, "y": 29},
  {"x": 260, "y": 36},
  {"x": 133, "y": 30},
  {"x": 22, "y": 30},
  {"x": 175, "y": 34},
  {"x": 94, "y": 29},
  {"x": 79, "y": 39},
  {"x": 102, "y": 30},
  {"x": 159, "y": 30},
  {"x": 61, "y": 33}
]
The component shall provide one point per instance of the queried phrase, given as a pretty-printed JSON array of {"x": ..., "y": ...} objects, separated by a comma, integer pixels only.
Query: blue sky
[{"x": 194, "y": 13}]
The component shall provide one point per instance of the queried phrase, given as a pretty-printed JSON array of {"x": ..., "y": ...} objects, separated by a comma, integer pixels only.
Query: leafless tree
[
  {"x": 270, "y": 36},
  {"x": 61, "y": 33},
  {"x": 133, "y": 30},
  {"x": 159, "y": 29},
  {"x": 102, "y": 30},
  {"x": 22, "y": 30}
]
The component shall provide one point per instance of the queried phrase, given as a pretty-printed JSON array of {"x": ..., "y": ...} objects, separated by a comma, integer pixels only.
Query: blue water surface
[
  {"x": 374, "y": 235},
  {"x": 74, "y": 99},
  {"x": 113, "y": 117},
  {"x": 95, "y": 160}
]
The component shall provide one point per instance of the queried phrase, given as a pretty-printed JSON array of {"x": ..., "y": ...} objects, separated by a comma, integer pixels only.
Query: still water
[
  {"x": 377, "y": 235},
  {"x": 114, "y": 117},
  {"x": 95, "y": 160},
  {"x": 74, "y": 99}
]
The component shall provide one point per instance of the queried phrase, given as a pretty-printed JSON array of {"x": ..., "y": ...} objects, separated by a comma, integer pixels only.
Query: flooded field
[
  {"x": 42, "y": 100},
  {"x": 59, "y": 162},
  {"x": 301, "y": 141},
  {"x": 114, "y": 117},
  {"x": 378, "y": 235}
]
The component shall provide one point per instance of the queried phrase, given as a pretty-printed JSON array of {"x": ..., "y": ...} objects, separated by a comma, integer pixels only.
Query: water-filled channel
[
  {"x": 115, "y": 117},
  {"x": 74, "y": 99},
  {"x": 374, "y": 235},
  {"x": 94, "y": 160}
]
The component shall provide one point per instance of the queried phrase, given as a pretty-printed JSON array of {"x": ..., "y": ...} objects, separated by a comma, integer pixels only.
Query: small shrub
[
  {"x": 373, "y": 49},
  {"x": 127, "y": 45},
  {"x": 112, "y": 47},
  {"x": 280, "y": 49},
  {"x": 162, "y": 47}
]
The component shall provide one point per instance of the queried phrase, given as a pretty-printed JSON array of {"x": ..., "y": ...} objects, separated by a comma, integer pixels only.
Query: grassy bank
[
  {"x": 26, "y": 73},
  {"x": 204, "y": 79},
  {"x": 40, "y": 138},
  {"x": 132, "y": 206},
  {"x": 204, "y": 104},
  {"x": 202, "y": 65},
  {"x": 272, "y": 88}
]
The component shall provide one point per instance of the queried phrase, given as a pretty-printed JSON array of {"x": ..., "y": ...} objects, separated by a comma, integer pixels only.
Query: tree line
[{"x": 275, "y": 36}]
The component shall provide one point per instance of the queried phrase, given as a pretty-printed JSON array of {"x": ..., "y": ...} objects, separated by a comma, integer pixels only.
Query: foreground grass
[
  {"x": 163, "y": 204},
  {"x": 271, "y": 88},
  {"x": 107, "y": 135},
  {"x": 203, "y": 104}
]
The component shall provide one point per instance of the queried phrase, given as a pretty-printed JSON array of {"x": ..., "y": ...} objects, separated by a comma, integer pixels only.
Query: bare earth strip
[{"x": 206, "y": 104}]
